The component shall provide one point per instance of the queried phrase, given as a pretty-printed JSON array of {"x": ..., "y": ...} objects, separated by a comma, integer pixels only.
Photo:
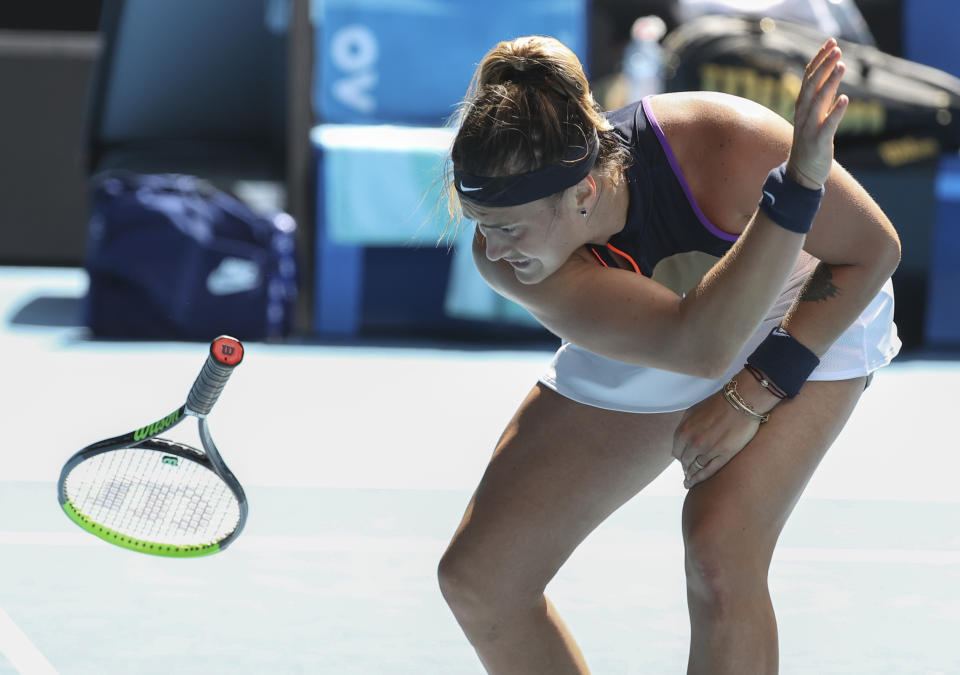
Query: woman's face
[{"x": 535, "y": 238}]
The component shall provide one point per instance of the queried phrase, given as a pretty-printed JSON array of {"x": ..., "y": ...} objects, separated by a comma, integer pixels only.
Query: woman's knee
[
  {"x": 725, "y": 561},
  {"x": 460, "y": 578},
  {"x": 476, "y": 584}
]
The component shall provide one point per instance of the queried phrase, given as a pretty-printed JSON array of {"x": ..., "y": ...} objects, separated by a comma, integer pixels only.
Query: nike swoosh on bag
[{"x": 233, "y": 275}]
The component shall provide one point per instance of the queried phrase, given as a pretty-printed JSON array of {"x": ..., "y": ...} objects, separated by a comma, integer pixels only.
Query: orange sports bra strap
[
  {"x": 633, "y": 263},
  {"x": 599, "y": 257}
]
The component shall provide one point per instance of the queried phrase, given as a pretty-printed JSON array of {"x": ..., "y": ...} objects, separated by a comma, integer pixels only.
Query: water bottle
[{"x": 643, "y": 57}]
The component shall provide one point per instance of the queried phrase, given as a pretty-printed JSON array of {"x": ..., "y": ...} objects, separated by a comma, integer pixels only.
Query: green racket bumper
[{"x": 151, "y": 547}]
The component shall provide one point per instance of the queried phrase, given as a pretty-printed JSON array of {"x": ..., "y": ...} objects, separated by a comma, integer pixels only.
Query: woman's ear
[{"x": 586, "y": 194}]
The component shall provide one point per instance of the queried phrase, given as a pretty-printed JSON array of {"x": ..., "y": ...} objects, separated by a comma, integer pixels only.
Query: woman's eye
[{"x": 500, "y": 229}]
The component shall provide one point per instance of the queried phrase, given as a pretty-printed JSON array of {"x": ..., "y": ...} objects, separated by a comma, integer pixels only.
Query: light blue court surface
[{"x": 358, "y": 463}]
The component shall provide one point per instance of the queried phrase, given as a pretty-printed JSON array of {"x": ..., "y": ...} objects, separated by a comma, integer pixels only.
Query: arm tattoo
[{"x": 819, "y": 286}]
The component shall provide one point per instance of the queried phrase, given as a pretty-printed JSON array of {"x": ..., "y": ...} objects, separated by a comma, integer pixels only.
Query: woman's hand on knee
[{"x": 710, "y": 434}]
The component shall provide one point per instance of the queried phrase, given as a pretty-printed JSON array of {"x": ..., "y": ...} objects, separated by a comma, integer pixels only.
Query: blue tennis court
[{"x": 358, "y": 463}]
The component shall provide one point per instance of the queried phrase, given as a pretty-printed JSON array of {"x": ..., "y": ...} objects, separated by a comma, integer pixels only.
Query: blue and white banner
[{"x": 410, "y": 61}]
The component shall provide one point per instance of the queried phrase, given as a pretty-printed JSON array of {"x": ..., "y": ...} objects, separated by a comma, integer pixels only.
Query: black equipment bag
[
  {"x": 170, "y": 257},
  {"x": 900, "y": 112}
]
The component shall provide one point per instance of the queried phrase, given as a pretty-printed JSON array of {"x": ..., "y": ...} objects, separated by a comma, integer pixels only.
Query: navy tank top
[{"x": 666, "y": 237}]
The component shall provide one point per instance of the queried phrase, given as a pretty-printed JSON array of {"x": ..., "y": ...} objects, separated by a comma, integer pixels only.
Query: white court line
[
  {"x": 20, "y": 651},
  {"x": 285, "y": 543}
]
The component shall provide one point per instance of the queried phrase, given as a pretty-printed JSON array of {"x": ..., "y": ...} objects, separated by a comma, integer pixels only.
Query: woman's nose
[{"x": 495, "y": 249}]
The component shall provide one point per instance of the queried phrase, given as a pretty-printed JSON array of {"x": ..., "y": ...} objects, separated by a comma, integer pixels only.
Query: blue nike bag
[{"x": 170, "y": 257}]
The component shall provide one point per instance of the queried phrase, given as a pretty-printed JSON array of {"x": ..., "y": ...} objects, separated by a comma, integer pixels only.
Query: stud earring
[{"x": 583, "y": 212}]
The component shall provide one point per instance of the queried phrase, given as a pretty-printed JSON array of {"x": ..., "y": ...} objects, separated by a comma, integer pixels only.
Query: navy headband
[{"x": 527, "y": 187}]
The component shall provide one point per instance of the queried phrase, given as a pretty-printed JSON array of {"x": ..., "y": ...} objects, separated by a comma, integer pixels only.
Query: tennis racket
[{"x": 159, "y": 496}]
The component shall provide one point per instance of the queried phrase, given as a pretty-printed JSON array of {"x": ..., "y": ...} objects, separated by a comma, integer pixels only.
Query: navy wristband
[
  {"x": 789, "y": 204},
  {"x": 784, "y": 361}
]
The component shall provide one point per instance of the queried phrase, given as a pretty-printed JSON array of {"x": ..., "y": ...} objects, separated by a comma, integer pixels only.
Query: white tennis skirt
[{"x": 870, "y": 343}]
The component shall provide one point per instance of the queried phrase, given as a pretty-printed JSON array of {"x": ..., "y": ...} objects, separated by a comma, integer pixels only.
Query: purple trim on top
[{"x": 665, "y": 144}]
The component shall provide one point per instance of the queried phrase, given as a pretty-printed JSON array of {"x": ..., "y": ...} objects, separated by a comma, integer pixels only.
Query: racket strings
[{"x": 154, "y": 496}]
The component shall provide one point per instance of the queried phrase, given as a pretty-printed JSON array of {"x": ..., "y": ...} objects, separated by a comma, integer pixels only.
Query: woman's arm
[
  {"x": 636, "y": 320},
  {"x": 858, "y": 250},
  {"x": 627, "y": 317}
]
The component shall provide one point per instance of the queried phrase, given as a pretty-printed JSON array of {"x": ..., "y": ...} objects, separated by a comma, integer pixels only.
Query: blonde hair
[{"x": 528, "y": 103}]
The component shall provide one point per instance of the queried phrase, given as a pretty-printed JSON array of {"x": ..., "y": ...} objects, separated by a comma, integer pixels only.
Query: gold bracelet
[{"x": 736, "y": 400}]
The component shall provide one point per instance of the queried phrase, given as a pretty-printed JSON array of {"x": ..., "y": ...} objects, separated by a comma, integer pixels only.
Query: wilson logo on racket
[
  {"x": 157, "y": 427},
  {"x": 227, "y": 351}
]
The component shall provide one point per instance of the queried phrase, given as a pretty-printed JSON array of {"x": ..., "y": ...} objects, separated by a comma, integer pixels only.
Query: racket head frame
[
  {"x": 224, "y": 355},
  {"x": 209, "y": 459}
]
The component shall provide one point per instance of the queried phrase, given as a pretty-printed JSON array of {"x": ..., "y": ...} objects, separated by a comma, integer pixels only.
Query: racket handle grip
[{"x": 226, "y": 353}]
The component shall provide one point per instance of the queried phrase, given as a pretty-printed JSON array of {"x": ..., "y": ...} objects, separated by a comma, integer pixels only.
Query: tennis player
[{"x": 721, "y": 288}]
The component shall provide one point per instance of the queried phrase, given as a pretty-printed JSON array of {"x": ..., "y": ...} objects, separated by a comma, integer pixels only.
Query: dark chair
[
  {"x": 217, "y": 89},
  {"x": 190, "y": 87}
]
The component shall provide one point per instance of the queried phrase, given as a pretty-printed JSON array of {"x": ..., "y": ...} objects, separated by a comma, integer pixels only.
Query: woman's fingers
[
  {"x": 819, "y": 87},
  {"x": 835, "y": 116},
  {"x": 818, "y": 58},
  {"x": 815, "y": 71},
  {"x": 827, "y": 93},
  {"x": 692, "y": 453},
  {"x": 698, "y": 475},
  {"x": 817, "y": 115},
  {"x": 700, "y": 463}
]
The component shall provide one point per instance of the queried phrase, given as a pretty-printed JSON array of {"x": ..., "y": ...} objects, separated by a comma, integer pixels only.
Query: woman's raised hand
[{"x": 816, "y": 117}]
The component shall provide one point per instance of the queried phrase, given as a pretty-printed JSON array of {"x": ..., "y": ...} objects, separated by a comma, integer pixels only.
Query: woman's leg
[
  {"x": 731, "y": 523},
  {"x": 559, "y": 470}
]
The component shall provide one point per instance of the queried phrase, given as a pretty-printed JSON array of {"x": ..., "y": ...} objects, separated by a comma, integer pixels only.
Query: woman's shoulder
[
  {"x": 712, "y": 109},
  {"x": 724, "y": 146}
]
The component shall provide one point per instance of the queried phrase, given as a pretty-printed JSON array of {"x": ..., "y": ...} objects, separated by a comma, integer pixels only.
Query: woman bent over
[{"x": 721, "y": 288}]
